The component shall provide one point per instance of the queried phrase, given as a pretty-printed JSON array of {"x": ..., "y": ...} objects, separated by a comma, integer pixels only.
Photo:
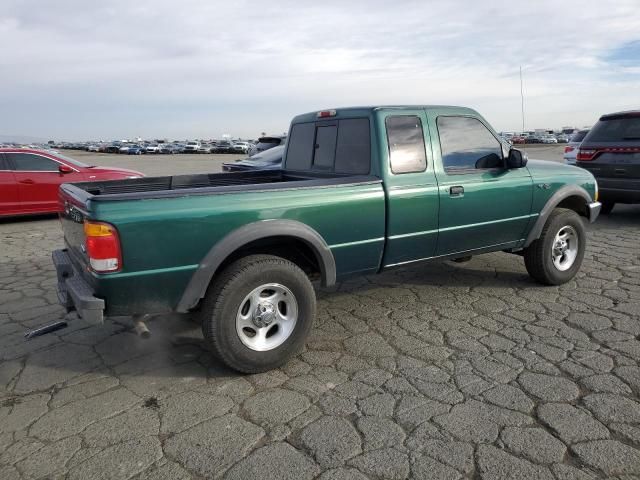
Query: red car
[{"x": 29, "y": 179}]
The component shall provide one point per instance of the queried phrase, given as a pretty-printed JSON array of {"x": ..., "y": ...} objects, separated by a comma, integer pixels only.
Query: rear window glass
[
  {"x": 353, "y": 152},
  {"x": 342, "y": 146},
  {"x": 300, "y": 149},
  {"x": 579, "y": 136},
  {"x": 616, "y": 130}
]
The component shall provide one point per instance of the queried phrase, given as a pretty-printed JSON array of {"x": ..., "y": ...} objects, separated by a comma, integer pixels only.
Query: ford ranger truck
[{"x": 362, "y": 190}]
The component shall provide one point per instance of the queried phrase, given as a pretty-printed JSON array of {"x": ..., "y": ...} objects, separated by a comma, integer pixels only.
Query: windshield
[
  {"x": 616, "y": 130},
  {"x": 73, "y": 161}
]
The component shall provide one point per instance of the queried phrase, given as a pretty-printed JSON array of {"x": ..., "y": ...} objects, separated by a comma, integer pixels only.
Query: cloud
[{"x": 115, "y": 68}]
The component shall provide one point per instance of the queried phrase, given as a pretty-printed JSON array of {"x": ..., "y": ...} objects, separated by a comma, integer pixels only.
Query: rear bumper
[
  {"x": 74, "y": 293},
  {"x": 623, "y": 190}
]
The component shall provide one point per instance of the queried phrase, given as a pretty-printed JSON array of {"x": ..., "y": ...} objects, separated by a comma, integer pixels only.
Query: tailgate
[{"x": 73, "y": 211}]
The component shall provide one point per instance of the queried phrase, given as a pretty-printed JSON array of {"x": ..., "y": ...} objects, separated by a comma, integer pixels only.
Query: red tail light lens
[
  {"x": 569, "y": 149},
  {"x": 326, "y": 113},
  {"x": 103, "y": 247},
  {"x": 586, "y": 155}
]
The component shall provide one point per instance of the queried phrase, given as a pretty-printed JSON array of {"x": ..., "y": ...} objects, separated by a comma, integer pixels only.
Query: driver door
[{"x": 482, "y": 203}]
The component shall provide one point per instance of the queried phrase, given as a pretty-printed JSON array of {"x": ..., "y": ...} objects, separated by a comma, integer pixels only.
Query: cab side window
[
  {"x": 28, "y": 162},
  {"x": 466, "y": 144},
  {"x": 3, "y": 163},
  {"x": 406, "y": 144}
]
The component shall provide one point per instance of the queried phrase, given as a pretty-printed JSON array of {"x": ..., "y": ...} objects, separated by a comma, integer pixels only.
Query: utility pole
[{"x": 522, "y": 105}]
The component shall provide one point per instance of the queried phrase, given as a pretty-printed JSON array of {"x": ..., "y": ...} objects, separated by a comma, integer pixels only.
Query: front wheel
[
  {"x": 258, "y": 313},
  {"x": 555, "y": 257}
]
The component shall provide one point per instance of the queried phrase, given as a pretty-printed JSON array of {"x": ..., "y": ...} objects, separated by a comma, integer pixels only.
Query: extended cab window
[
  {"x": 466, "y": 144},
  {"x": 342, "y": 146},
  {"x": 406, "y": 144},
  {"x": 28, "y": 162}
]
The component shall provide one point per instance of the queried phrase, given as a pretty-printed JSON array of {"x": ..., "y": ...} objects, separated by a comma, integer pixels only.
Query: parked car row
[
  {"x": 249, "y": 147},
  {"x": 530, "y": 137},
  {"x": 223, "y": 146}
]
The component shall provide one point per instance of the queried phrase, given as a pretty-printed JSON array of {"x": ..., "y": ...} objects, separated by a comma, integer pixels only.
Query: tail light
[
  {"x": 586, "y": 155},
  {"x": 569, "y": 149},
  {"x": 103, "y": 247},
  {"x": 326, "y": 113}
]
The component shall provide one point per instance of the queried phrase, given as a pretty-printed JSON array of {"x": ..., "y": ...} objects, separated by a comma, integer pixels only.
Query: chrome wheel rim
[
  {"x": 565, "y": 248},
  {"x": 267, "y": 317}
]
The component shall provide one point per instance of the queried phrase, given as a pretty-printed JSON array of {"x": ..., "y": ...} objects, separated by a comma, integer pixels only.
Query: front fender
[{"x": 591, "y": 208}]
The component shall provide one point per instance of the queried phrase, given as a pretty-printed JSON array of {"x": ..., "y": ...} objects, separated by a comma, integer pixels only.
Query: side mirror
[
  {"x": 65, "y": 168},
  {"x": 516, "y": 159}
]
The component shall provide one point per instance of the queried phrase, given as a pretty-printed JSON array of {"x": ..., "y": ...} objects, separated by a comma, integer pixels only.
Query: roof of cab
[
  {"x": 350, "y": 112},
  {"x": 618, "y": 115}
]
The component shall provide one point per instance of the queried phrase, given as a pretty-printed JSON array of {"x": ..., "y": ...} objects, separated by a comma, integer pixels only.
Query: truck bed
[{"x": 205, "y": 183}]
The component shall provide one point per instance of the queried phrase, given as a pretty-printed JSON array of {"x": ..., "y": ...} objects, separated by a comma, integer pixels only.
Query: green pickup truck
[{"x": 361, "y": 190}]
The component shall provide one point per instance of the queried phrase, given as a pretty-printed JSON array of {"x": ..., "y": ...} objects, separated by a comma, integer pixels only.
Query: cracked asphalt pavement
[{"x": 444, "y": 371}]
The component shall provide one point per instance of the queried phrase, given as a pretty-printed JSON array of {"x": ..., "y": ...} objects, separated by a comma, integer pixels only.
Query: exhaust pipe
[{"x": 140, "y": 326}]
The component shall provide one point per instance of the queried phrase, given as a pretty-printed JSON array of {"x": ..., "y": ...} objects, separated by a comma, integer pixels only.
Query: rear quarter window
[{"x": 405, "y": 138}]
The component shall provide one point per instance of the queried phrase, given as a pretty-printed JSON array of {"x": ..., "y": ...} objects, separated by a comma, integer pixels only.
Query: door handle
[
  {"x": 456, "y": 191},
  {"x": 27, "y": 181}
]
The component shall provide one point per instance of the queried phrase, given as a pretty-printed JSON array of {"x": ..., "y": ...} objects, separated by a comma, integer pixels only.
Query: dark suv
[{"x": 611, "y": 152}]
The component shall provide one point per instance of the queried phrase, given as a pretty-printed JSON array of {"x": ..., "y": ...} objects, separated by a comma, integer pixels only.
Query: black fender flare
[
  {"x": 197, "y": 287},
  {"x": 560, "y": 195}
]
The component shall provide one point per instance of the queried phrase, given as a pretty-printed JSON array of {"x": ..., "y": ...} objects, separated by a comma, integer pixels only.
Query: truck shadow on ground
[{"x": 176, "y": 350}]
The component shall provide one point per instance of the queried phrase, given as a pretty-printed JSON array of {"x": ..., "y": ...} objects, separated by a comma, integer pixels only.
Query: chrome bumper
[{"x": 594, "y": 211}]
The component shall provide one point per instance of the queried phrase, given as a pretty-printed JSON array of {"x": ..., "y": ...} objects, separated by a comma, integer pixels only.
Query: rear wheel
[
  {"x": 607, "y": 206},
  {"x": 258, "y": 313},
  {"x": 556, "y": 256}
]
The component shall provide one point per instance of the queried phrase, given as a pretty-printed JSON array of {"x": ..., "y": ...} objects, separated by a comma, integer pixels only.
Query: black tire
[
  {"x": 538, "y": 257},
  {"x": 226, "y": 296},
  {"x": 607, "y": 206}
]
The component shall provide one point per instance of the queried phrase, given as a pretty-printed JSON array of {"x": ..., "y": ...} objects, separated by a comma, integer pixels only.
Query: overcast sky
[{"x": 76, "y": 69}]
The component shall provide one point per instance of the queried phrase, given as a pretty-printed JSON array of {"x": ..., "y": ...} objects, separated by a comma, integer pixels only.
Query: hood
[{"x": 547, "y": 168}]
